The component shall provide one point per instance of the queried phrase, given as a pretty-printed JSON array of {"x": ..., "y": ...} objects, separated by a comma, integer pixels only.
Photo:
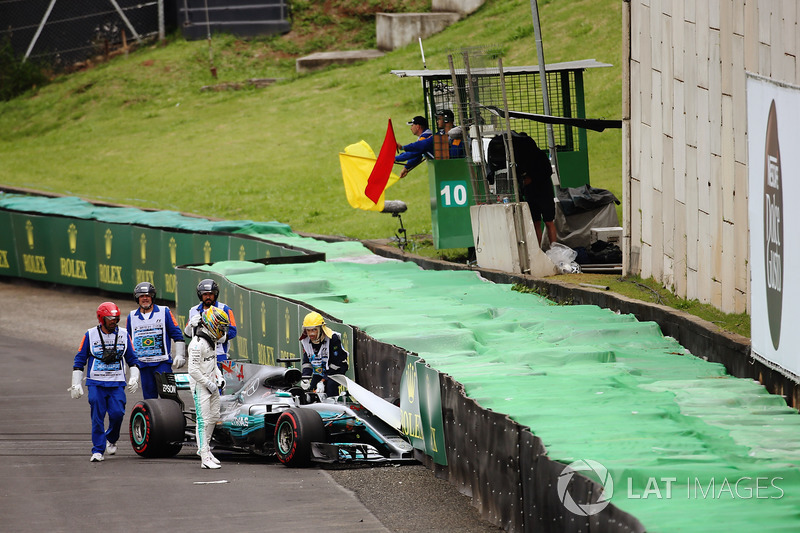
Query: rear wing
[{"x": 168, "y": 385}]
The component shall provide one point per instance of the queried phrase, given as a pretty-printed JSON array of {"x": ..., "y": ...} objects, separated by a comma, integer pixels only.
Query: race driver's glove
[
  {"x": 133, "y": 382},
  {"x": 305, "y": 383},
  {"x": 212, "y": 386},
  {"x": 76, "y": 390},
  {"x": 191, "y": 326},
  {"x": 219, "y": 380},
  {"x": 180, "y": 355}
]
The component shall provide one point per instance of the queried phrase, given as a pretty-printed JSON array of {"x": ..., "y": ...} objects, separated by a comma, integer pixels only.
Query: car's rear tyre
[
  {"x": 155, "y": 427},
  {"x": 295, "y": 430}
]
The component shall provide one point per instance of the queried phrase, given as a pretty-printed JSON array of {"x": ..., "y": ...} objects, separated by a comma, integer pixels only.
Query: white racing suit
[{"x": 202, "y": 358}]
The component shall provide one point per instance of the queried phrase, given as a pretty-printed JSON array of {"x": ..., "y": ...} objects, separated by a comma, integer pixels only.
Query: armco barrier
[{"x": 501, "y": 465}]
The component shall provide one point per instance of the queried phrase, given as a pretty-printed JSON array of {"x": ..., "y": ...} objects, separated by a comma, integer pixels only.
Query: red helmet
[{"x": 106, "y": 309}]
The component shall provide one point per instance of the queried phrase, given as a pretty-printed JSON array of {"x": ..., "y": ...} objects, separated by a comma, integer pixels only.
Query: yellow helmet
[
  {"x": 216, "y": 321},
  {"x": 315, "y": 319}
]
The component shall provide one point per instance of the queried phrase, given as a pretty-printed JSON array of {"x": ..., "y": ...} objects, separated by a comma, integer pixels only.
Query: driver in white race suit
[
  {"x": 323, "y": 355},
  {"x": 205, "y": 379}
]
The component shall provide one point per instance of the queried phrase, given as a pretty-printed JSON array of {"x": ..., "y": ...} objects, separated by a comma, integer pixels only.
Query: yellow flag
[{"x": 357, "y": 162}]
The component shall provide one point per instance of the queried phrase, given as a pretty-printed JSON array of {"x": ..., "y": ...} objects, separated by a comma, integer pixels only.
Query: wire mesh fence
[
  {"x": 481, "y": 91},
  {"x": 60, "y": 33}
]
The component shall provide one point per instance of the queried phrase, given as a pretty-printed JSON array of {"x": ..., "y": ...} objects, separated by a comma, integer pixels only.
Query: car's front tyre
[{"x": 295, "y": 430}]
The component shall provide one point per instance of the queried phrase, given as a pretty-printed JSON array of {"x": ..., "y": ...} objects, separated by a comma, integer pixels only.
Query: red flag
[{"x": 383, "y": 166}]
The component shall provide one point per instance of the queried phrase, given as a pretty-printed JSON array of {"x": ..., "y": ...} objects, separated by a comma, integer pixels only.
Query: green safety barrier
[{"x": 73, "y": 242}]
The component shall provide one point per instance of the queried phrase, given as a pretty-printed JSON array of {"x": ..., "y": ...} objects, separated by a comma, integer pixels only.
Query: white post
[
  {"x": 125, "y": 19},
  {"x": 160, "y": 20},
  {"x": 537, "y": 31},
  {"x": 39, "y": 30}
]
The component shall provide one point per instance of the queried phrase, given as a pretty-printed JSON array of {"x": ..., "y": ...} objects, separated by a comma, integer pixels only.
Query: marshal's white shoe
[
  {"x": 111, "y": 448},
  {"x": 97, "y": 457}
]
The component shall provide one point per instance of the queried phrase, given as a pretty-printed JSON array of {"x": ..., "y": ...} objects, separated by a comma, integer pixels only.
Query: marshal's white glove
[
  {"x": 133, "y": 382},
  {"x": 219, "y": 379},
  {"x": 321, "y": 386},
  {"x": 180, "y": 355},
  {"x": 76, "y": 390},
  {"x": 305, "y": 383}
]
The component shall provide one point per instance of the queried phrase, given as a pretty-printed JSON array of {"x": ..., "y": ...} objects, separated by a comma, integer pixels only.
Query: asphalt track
[{"x": 48, "y": 484}]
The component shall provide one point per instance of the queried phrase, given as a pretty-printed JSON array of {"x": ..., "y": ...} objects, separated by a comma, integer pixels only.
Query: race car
[{"x": 267, "y": 413}]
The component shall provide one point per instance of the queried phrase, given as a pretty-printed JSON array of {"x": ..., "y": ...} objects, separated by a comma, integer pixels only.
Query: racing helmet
[
  {"x": 207, "y": 285},
  {"x": 216, "y": 321},
  {"x": 107, "y": 309},
  {"x": 446, "y": 114},
  {"x": 143, "y": 288},
  {"x": 314, "y": 319}
]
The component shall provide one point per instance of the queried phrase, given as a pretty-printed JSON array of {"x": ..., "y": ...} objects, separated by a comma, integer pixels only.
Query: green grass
[
  {"x": 648, "y": 290},
  {"x": 138, "y": 130}
]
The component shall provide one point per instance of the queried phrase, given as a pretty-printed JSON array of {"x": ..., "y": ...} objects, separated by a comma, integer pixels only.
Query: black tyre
[
  {"x": 156, "y": 426},
  {"x": 295, "y": 430}
]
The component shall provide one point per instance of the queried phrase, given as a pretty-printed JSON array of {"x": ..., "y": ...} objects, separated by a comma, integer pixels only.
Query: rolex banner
[
  {"x": 421, "y": 409},
  {"x": 773, "y": 133}
]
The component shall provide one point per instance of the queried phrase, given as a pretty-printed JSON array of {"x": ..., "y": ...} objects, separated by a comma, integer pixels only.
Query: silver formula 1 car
[{"x": 267, "y": 413}]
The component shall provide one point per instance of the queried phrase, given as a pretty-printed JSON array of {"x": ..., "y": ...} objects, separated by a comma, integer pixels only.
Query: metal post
[
  {"x": 211, "y": 66},
  {"x": 537, "y": 31},
  {"x": 39, "y": 30},
  {"x": 464, "y": 129},
  {"x": 472, "y": 97},
  {"x": 519, "y": 223},
  {"x": 512, "y": 159},
  {"x": 125, "y": 20},
  {"x": 160, "y": 20}
]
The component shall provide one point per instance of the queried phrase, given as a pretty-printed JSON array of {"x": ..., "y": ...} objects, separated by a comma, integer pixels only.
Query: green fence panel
[
  {"x": 240, "y": 347},
  {"x": 288, "y": 330},
  {"x": 263, "y": 314},
  {"x": 430, "y": 410},
  {"x": 411, "y": 424},
  {"x": 73, "y": 243},
  {"x": 32, "y": 235},
  {"x": 176, "y": 249},
  {"x": 147, "y": 264},
  {"x": 242, "y": 249},
  {"x": 209, "y": 248},
  {"x": 268, "y": 250},
  {"x": 8, "y": 251},
  {"x": 113, "y": 254}
]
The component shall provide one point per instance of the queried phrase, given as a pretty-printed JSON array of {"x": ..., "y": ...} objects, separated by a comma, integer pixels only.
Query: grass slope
[{"x": 139, "y": 131}]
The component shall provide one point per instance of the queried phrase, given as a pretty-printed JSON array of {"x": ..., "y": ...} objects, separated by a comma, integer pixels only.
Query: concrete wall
[
  {"x": 685, "y": 137},
  {"x": 463, "y": 7},
  {"x": 395, "y": 30}
]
